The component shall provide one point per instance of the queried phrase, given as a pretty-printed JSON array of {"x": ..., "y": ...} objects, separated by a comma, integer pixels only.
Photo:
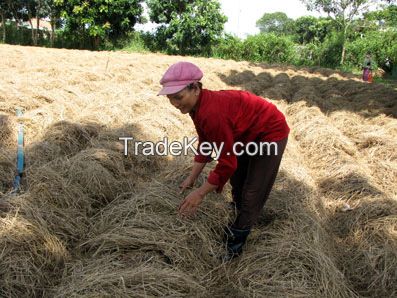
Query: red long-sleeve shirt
[{"x": 231, "y": 116}]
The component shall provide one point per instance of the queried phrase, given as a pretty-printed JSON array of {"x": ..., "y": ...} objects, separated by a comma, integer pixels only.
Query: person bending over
[{"x": 233, "y": 120}]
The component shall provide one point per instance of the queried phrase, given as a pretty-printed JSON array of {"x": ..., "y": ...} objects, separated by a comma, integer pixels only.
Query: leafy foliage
[
  {"x": 381, "y": 45},
  {"x": 101, "y": 18},
  {"x": 308, "y": 54},
  {"x": 383, "y": 18},
  {"x": 343, "y": 12},
  {"x": 330, "y": 50},
  {"x": 187, "y": 27},
  {"x": 268, "y": 48},
  {"x": 309, "y": 29},
  {"x": 277, "y": 22},
  {"x": 229, "y": 47}
]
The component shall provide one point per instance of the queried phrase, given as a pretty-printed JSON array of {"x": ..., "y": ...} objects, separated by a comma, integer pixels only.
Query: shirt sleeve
[{"x": 220, "y": 132}]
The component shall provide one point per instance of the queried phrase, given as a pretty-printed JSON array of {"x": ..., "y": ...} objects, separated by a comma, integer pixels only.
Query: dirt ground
[{"x": 91, "y": 222}]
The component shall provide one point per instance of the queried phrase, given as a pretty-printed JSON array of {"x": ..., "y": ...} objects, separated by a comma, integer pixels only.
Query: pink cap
[{"x": 178, "y": 76}]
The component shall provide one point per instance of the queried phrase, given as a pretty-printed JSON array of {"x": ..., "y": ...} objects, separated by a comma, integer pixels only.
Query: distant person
[
  {"x": 233, "y": 118},
  {"x": 367, "y": 68},
  {"x": 388, "y": 65}
]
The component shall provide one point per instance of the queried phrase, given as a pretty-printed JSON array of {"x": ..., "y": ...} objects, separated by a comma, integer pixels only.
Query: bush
[
  {"x": 18, "y": 36},
  {"x": 268, "y": 48},
  {"x": 133, "y": 42},
  {"x": 382, "y": 45},
  {"x": 308, "y": 54},
  {"x": 23, "y": 36},
  {"x": 331, "y": 50},
  {"x": 257, "y": 48},
  {"x": 229, "y": 47}
]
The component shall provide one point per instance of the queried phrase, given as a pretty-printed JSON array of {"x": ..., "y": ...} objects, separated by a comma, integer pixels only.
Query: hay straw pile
[{"x": 92, "y": 222}]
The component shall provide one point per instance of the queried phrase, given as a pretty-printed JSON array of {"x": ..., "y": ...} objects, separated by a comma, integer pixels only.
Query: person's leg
[
  {"x": 370, "y": 78},
  {"x": 260, "y": 177},
  {"x": 238, "y": 179},
  {"x": 232, "y": 237},
  {"x": 365, "y": 74},
  {"x": 261, "y": 174}
]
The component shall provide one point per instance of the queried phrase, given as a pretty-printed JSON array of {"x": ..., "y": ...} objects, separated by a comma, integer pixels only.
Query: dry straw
[{"x": 92, "y": 222}]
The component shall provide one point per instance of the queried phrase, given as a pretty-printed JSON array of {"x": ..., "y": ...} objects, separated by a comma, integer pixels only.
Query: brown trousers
[{"x": 252, "y": 182}]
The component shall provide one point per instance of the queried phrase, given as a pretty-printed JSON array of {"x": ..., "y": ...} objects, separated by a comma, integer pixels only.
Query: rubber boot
[{"x": 235, "y": 240}]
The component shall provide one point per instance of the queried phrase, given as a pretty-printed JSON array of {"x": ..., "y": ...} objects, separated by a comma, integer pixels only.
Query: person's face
[{"x": 185, "y": 100}]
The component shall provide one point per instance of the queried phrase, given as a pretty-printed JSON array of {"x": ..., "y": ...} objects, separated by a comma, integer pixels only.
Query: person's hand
[
  {"x": 187, "y": 183},
  {"x": 188, "y": 207}
]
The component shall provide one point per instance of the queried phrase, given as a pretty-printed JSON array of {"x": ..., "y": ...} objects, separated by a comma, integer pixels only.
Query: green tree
[
  {"x": 277, "y": 22},
  {"x": 14, "y": 9},
  {"x": 308, "y": 29},
  {"x": 343, "y": 12},
  {"x": 386, "y": 17},
  {"x": 101, "y": 18},
  {"x": 54, "y": 13},
  {"x": 3, "y": 15},
  {"x": 11, "y": 9},
  {"x": 37, "y": 9},
  {"x": 187, "y": 26}
]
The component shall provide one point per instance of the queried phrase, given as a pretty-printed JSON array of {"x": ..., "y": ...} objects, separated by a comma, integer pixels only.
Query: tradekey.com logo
[{"x": 187, "y": 145}]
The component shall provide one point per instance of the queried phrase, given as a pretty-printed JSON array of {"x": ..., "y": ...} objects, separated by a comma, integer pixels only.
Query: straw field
[{"x": 91, "y": 222}]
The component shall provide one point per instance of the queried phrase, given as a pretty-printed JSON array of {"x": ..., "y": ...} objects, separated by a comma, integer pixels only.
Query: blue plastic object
[{"x": 20, "y": 153}]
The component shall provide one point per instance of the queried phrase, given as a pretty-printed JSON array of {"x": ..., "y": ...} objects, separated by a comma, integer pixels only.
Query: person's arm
[
  {"x": 219, "y": 132},
  {"x": 189, "y": 181},
  {"x": 190, "y": 204}
]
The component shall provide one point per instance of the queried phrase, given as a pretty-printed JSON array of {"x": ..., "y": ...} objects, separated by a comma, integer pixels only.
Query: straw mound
[
  {"x": 306, "y": 270},
  {"x": 145, "y": 223},
  {"x": 329, "y": 93},
  {"x": 326, "y": 145},
  {"x": 61, "y": 207},
  {"x": 7, "y": 132},
  {"x": 126, "y": 275},
  {"x": 31, "y": 257},
  {"x": 93, "y": 222},
  {"x": 345, "y": 171},
  {"x": 308, "y": 267},
  {"x": 375, "y": 143},
  {"x": 7, "y": 169},
  {"x": 367, "y": 246},
  {"x": 8, "y": 149}
]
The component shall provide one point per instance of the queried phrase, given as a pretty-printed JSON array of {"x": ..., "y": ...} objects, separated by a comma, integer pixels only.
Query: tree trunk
[
  {"x": 342, "y": 60},
  {"x": 52, "y": 31},
  {"x": 3, "y": 25},
  {"x": 32, "y": 29},
  {"x": 38, "y": 8},
  {"x": 16, "y": 19},
  {"x": 97, "y": 42},
  {"x": 82, "y": 39},
  {"x": 36, "y": 35}
]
